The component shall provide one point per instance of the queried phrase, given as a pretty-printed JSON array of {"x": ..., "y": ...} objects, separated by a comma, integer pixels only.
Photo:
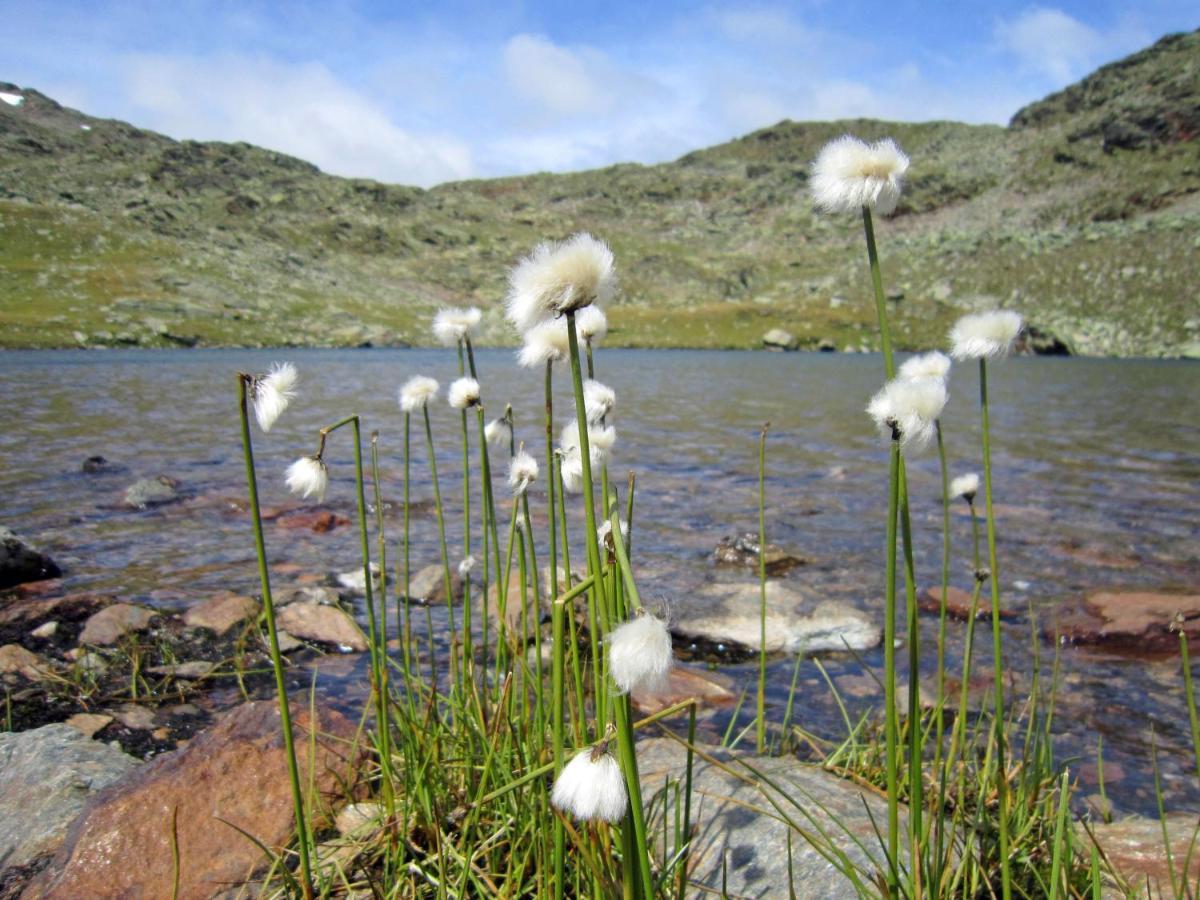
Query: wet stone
[
  {"x": 1141, "y": 623},
  {"x": 743, "y": 550},
  {"x": 20, "y": 562},
  {"x": 958, "y": 604},
  {"x": 327, "y": 624},
  {"x": 147, "y": 492},
  {"x": 110, "y": 624},
  {"x": 222, "y": 612}
]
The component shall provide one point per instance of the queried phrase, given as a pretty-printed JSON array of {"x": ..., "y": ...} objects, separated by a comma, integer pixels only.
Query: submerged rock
[
  {"x": 1137, "y": 622},
  {"x": 743, "y": 550},
  {"x": 327, "y": 624},
  {"x": 147, "y": 492},
  {"x": 20, "y": 562},
  {"x": 1136, "y": 849},
  {"x": 46, "y": 776},
  {"x": 727, "y": 614},
  {"x": 236, "y": 773},
  {"x": 711, "y": 689},
  {"x": 740, "y": 844}
]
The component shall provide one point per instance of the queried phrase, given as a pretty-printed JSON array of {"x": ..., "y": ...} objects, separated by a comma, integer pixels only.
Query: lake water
[{"x": 1096, "y": 467}]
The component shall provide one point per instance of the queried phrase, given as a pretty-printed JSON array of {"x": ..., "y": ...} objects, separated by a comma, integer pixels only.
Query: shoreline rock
[{"x": 21, "y": 562}]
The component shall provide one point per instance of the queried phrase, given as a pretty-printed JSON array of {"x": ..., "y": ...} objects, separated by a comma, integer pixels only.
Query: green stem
[
  {"x": 891, "y": 729},
  {"x": 385, "y": 693},
  {"x": 441, "y": 521},
  {"x": 885, "y": 335},
  {"x": 916, "y": 784},
  {"x": 1190, "y": 695},
  {"x": 998, "y": 661},
  {"x": 466, "y": 576},
  {"x": 285, "y": 717},
  {"x": 761, "y": 719}
]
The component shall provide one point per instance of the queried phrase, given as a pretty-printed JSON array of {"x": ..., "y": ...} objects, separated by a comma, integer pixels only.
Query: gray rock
[
  {"x": 355, "y": 581},
  {"x": 46, "y": 775},
  {"x": 152, "y": 492},
  {"x": 94, "y": 464},
  {"x": 729, "y": 613},
  {"x": 740, "y": 838},
  {"x": 427, "y": 585},
  {"x": 778, "y": 339},
  {"x": 20, "y": 562},
  {"x": 743, "y": 550},
  {"x": 304, "y": 593},
  {"x": 327, "y": 624},
  {"x": 111, "y": 623}
]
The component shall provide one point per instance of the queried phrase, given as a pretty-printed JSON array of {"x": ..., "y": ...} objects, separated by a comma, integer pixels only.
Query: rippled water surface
[{"x": 1097, "y": 467}]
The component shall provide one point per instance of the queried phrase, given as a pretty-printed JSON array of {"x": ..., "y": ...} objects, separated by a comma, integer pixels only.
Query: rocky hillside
[{"x": 1084, "y": 213}]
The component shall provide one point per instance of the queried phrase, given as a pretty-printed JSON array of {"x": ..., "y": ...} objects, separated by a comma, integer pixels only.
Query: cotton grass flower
[
  {"x": 850, "y": 174},
  {"x": 934, "y": 364},
  {"x": 416, "y": 393},
  {"x": 965, "y": 486},
  {"x": 559, "y": 277},
  {"x": 987, "y": 335},
  {"x": 909, "y": 408},
  {"x": 639, "y": 653},
  {"x": 544, "y": 342},
  {"x": 591, "y": 786},
  {"x": 604, "y": 532},
  {"x": 522, "y": 472},
  {"x": 466, "y": 566},
  {"x": 598, "y": 400},
  {"x": 308, "y": 477},
  {"x": 452, "y": 325},
  {"x": 463, "y": 392},
  {"x": 272, "y": 393},
  {"x": 498, "y": 432},
  {"x": 591, "y": 324}
]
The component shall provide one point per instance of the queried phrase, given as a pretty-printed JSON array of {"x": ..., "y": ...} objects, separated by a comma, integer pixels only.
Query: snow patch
[
  {"x": 11, "y": 99},
  {"x": 86, "y": 127}
]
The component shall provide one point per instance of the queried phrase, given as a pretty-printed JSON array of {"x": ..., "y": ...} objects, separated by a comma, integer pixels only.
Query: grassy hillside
[{"x": 1083, "y": 213}]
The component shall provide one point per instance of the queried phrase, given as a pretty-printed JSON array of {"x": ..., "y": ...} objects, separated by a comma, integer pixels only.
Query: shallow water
[{"x": 1096, "y": 466}]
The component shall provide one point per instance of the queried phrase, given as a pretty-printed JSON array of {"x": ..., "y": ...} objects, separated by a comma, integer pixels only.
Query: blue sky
[{"x": 420, "y": 93}]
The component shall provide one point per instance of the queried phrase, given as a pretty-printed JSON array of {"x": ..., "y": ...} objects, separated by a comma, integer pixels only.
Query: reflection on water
[{"x": 1096, "y": 469}]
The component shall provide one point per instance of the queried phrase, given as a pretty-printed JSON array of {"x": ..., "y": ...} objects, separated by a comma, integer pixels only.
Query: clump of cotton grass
[
  {"x": 906, "y": 409},
  {"x": 598, "y": 400},
  {"x": 591, "y": 324},
  {"x": 272, "y": 393},
  {"x": 308, "y": 477},
  {"x": 466, "y": 566},
  {"x": 560, "y": 277},
  {"x": 591, "y": 786},
  {"x": 454, "y": 324},
  {"x": 639, "y": 653},
  {"x": 545, "y": 342},
  {"x": 522, "y": 472},
  {"x": 987, "y": 335},
  {"x": 934, "y": 364},
  {"x": 463, "y": 392},
  {"x": 416, "y": 393},
  {"x": 965, "y": 486},
  {"x": 850, "y": 174}
]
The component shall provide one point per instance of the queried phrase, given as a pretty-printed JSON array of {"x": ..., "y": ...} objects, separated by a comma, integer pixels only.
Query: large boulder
[
  {"x": 20, "y": 562},
  {"x": 230, "y": 781},
  {"x": 729, "y": 614},
  {"x": 46, "y": 776},
  {"x": 740, "y": 843},
  {"x": 778, "y": 339}
]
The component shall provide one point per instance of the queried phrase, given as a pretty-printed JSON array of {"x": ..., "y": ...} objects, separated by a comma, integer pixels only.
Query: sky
[{"x": 420, "y": 93}]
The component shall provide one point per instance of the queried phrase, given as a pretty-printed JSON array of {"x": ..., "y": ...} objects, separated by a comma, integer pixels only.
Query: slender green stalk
[
  {"x": 891, "y": 727},
  {"x": 385, "y": 693},
  {"x": 285, "y": 716},
  {"x": 1189, "y": 694},
  {"x": 916, "y": 784},
  {"x": 441, "y": 521},
  {"x": 760, "y": 734},
  {"x": 997, "y": 657},
  {"x": 468, "y": 656},
  {"x": 939, "y": 709},
  {"x": 885, "y": 334}
]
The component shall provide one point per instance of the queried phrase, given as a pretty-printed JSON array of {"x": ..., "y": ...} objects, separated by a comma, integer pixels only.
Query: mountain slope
[{"x": 1083, "y": 214}]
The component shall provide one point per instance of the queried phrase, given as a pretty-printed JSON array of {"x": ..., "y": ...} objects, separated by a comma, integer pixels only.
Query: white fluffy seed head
[
  {"x": 598, "y": 400},
  {"x": 911, "y": 407},
  {"x": 463, "y": 392},
  {"x": 522, "y": 472},
  {"x": 591, "y": 324},
  {"x": 966, "y": 486},
  {"x": 601, "y": 439},
  {"x": 272, "y": 393},
  {"x": 498, "y": 432},
  {"x": 558, "y": 277},
  {"x": 639, "y": 653},
  {"x": 545, "y": 342},
  {"x": 934, "y": 364},
  {"x": 591, "y": 787},
  {"x": 604, "y": 531},
  {"x": 850, "y": 174},
  {"x": 454, "y": 324},
  {"x": 416, "y": 393},
  {"x": 984, "y": 335},
  {"x": 308, "y": 477},
  {"x": 465, "y": 567}
]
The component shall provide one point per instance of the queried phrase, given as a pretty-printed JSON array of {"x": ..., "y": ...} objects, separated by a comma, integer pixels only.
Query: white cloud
[
  {"x": 552, "y": 77},
  {"x": 302, "y": 110},
  {"x": 1050, "y": 42}
]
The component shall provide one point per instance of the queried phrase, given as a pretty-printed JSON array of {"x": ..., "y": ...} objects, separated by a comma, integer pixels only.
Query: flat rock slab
[
  {"x": 46, "y": 776},
  {"x": 958, "y": 604},
  {"x": 222, "y": 612},
  {"x": 113, "y": 622},
  {"x": 1136, "y": 850},
  {"x": 737, "y": 828},
  {"x": 15, "y": 658},
  {"x": 1137, "y": 622},
  {"x": 120, "y": 846},
  {"x": 729, "y": 613},
  {"x": 20, "y": 562},
  {"x": 711, "y": 689},
  {"x": 327, "y": 624}
]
